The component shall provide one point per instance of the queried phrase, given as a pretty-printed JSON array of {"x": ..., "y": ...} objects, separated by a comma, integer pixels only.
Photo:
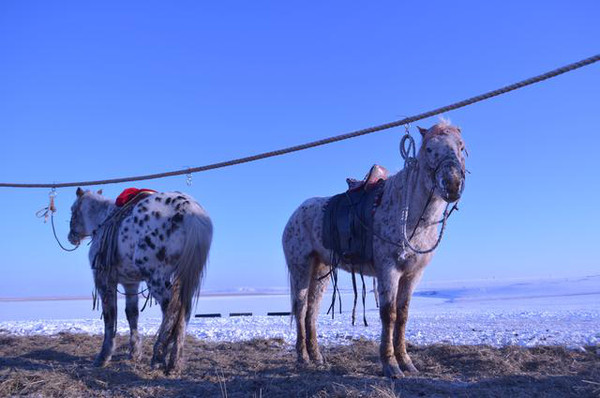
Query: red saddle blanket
[{"x": 128, "y": 194}]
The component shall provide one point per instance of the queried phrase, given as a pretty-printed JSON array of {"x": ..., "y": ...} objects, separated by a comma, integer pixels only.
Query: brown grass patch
[{"x": 61, "y": 365}]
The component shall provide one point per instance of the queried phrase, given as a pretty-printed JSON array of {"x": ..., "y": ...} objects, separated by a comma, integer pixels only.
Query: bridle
[{"x": 407, "y": 151}]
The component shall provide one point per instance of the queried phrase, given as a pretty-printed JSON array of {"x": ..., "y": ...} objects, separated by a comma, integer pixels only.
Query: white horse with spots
[
  {"x": 435, "y": 180},
  {"x": 162, "y": 239}
]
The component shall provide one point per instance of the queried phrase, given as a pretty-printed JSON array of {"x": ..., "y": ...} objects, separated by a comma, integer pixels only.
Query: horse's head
[
  {"x": 442, "y": 156},
  {"x": 82, "y": 224}
]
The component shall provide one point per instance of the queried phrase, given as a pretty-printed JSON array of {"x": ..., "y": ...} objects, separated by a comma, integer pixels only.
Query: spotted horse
[
  {"x": 162, "y": 239},
  {"x": 403, "y": 233}
]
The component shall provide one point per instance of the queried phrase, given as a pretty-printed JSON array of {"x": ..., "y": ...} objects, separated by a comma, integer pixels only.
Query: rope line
[{"x": 325, "y": 141}]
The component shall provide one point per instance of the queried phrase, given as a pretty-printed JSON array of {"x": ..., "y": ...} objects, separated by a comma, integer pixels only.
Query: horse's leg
[
  {"x": 317, "y": 286},
  {"x": 176, "y": 337},
  {"x": 406, "y": 287},
  {"x": 132, "y": 311},
  {"x": 299, "y": 283},
  {"x": 387, "y": 285},
  {"x": 108, "y": 296},
  {"x": 163, "y": 296}
]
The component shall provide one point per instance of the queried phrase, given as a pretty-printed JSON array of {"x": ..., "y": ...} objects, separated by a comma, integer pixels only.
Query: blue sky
[{"x": 100, "y": 90}]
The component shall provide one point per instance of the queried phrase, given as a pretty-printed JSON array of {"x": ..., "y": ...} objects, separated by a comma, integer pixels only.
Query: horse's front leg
[
  {"x": 406, "y": 287},
  {"x": 388, "y": 276},
  {"x": 108, "y": 296},
  {"x": 132, "y": 311}
]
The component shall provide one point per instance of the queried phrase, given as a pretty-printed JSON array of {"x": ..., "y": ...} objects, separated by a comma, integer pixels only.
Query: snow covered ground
[{"x": 524, "y": 312}]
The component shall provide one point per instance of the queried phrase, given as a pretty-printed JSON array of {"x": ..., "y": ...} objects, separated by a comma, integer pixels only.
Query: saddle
[
  {"x": 348, "y": 218},
  {"x": 129, "y": 194},
  {"x": 375, "y": 174}
]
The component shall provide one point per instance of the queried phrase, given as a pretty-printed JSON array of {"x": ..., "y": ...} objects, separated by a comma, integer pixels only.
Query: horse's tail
[{"x": 187, "y": 275}]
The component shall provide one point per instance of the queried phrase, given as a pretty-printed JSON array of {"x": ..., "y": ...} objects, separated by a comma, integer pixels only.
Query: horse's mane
[{"x": 443, "y": 127}]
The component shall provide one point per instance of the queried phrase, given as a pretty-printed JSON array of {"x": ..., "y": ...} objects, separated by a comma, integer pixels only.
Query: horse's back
[{"x": 157, "y": 227}]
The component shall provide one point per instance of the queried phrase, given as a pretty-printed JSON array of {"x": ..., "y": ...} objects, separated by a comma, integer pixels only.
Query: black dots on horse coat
[
  {"x": 168, "y": 201},
  {"x": 162, "y": 253},
  {"x": 149, "y": 242},
  {"x": 158, "y": 199},
  {"x": 177, "y": 218}
]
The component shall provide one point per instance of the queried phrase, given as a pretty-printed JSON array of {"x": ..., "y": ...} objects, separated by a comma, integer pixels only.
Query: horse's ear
[
  {"x": 99, "y": 192},
  {"x": 79, "y": 192},
  {"x": 422, "y": 131}
]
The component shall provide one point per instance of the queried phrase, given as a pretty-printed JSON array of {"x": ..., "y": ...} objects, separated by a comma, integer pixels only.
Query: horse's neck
[
  {"x": 418, "y": 196},
  {"x": 99, "y": 212}
]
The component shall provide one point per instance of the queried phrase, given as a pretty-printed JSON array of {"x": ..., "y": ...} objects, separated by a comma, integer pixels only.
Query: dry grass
[{"x": 62, "y": 366}]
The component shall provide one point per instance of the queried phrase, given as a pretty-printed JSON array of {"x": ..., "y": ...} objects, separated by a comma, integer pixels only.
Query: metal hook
[{"x": 189, "y": 177}]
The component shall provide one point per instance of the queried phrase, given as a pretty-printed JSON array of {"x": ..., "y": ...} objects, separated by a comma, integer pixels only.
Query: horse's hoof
[
  {"x": 101, "y": 361},
  {"x": 317, "y": 359},
  {"x": 410, "y": 368},
  {"x": 156, "y": 363},
  {"x": 303, "y": 360},
  {"x": 392, "y": 371},
  {"x": 173, "y": 371}
]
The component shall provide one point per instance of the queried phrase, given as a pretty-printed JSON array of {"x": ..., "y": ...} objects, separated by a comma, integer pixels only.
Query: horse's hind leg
[
  {"x": 299, "y": 283},
  {"x": 163, "y": 296},
  {"x": 176, "y": 346},
  {"x": 132, "y": 311},
  {"x": 171, "y": 333},
  {"x": 108, "y": 295},
  {"x": 406, "y": 287},
  {"x": 319, "y": 278}
]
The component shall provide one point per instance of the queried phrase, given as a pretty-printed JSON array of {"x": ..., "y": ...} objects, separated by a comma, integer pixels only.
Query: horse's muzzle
[
  {"x": 74, "y": 238},
  {"x": 451, "y": 182},
  {"x": 452, "y": 189}
]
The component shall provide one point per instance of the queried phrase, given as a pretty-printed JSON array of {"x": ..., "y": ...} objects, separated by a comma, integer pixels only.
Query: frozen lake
[{"x": 523, "y": 312}]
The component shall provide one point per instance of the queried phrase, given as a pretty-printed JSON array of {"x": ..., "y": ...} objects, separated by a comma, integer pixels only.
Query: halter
[
  {"x": 410, "y": 163},
  {"x": 407, "y": 151}
]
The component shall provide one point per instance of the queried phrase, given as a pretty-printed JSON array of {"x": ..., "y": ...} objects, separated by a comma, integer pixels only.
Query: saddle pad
[
  {"x": 348, "y": 224},
  {"x": 129, "y": 194}
]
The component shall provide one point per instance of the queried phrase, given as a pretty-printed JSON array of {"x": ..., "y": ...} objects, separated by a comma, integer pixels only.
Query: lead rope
[{"x": 48, "y": 212}]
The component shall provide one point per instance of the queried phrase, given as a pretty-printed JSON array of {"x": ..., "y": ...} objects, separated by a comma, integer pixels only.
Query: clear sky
[{"x": 92, "y": 90}]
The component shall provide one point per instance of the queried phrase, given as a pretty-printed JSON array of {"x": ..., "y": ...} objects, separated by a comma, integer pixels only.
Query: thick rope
[{"x": 329, "y": 140}]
